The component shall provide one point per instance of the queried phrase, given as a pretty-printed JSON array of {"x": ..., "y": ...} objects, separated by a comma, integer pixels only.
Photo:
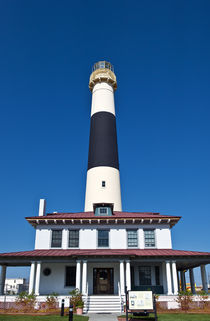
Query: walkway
[{"x": 102, "y": 317}]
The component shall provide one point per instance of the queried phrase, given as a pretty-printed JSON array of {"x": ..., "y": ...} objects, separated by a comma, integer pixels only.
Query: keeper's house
[{"x": 103, "y": 250}]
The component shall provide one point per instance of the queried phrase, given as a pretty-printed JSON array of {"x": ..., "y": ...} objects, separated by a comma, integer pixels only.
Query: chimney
[{"x": 42, "y": 207}]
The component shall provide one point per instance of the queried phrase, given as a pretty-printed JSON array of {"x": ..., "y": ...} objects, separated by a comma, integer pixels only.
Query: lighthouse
[{"x": 103, "y": 176}]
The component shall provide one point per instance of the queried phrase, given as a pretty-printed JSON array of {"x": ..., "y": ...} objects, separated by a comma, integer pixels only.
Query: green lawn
[
  {"x": 5, "y": 317},
  {"x": 179, "y": 317},
  {"x": 184, "y": 317},
  {"x": 161, "y": 317}
]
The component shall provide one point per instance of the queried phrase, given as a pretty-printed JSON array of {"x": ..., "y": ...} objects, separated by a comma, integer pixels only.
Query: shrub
[
  {"x": 184, "y": 299},
  {"x": 76, "y": 299},
  {"x": 204, "y": 299},
  {"x": 52, "y": 301},
  {"x": 25, "y": 301}
]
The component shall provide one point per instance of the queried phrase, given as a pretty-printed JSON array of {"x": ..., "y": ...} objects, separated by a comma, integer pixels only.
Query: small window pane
[
  {"x": 132, "y": 238},
  {"x": 103, "y": 238},
  {"x": 73, "y": 238},
  {"x": 145, "y": 275},
  {"x": 149, "y": 238},
  {"x": 56, "y": 238},
  {"x": 70, "y": 276},
  {"x": 103, "y": 184}
]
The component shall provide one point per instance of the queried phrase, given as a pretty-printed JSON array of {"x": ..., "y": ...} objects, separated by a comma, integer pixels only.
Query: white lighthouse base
[{"x": 96, "y": 193}]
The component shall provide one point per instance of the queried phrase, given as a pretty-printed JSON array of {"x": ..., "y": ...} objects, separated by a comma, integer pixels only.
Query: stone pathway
[{"x": 102, "y": 317}]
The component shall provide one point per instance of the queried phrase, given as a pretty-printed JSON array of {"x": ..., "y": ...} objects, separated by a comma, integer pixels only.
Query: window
[
  {"x": 157, "y": 275},
  {"x": 103, "y": 211},
  {"x": 56, "y": 238},
  {"x": 47, "y": 271},
  {"x": 132, "y": 238},
  {"x": 103, "y": 238},
  {"x": 103, "y": 184},
  {"x": 145, "y": 275},
  {"x": 70, "y": 276},
  {"x": 73, "y": 238},
  {"x": 149, "y": 238}
]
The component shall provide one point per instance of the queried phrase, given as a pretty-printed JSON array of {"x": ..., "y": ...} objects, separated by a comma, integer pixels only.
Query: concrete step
[
  {"x": 100, "y": 304},
  {"x": 104, "y": 299}
]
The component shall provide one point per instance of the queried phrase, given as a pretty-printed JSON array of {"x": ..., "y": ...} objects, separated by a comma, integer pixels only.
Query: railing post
[
  {"x": 62, "y": 308},
  {"x": 126, "y": 302},
  {"x": 71, "y": 312}
]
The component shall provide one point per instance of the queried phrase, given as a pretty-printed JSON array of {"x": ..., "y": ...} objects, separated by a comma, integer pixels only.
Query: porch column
[
  {"x": 2, "y": 278},
  {"x": 78, "y": 274},
  {"x": 37, "y": 280},
  {"x": 204, "y": 278},
  {"x": 128, "y": 275},
  {"x": 32, "y": 277},
  {"x": 122, "y": 278},
  {"x": 175, "y": 281},
  {"x": 168, "y": 277},
  {"x": 192, "y": 281},
  {"x": 84, "y": 277},
  {"x": 183, "y": 280}
]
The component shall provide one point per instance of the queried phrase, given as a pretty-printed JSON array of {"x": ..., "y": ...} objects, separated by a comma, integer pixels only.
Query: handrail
[{"x": 119, "y": 292}]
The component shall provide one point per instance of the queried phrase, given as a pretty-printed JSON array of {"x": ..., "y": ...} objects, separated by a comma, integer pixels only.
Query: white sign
[{"x": 140, "y": 300}]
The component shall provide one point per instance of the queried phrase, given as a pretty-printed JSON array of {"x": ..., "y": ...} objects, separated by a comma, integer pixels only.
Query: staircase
[{"x": 103, "y": 304}]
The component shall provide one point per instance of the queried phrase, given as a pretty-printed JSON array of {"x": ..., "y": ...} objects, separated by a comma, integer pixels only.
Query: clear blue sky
[{"x": 160, "y": 51}]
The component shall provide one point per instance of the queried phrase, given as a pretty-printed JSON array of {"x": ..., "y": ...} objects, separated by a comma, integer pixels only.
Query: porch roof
[{"x": 106, "y": 252}]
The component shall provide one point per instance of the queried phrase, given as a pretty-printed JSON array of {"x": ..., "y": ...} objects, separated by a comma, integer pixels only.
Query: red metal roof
[
  {"x": 90, "y": 215},
  {"x": 104, "y": 252}
]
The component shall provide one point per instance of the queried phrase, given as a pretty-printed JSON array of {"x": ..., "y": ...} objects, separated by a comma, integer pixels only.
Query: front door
[{"x": 103, "y": 281}]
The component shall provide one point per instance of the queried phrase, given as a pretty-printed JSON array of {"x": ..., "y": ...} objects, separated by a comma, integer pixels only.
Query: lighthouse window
[
  {"x": 103, "y": 184},
  {"x": 56, "y": 238}
]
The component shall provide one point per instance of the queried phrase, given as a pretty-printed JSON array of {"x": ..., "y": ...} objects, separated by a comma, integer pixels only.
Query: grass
[
  {"x": 179, "y": 317},
  {"x": 5, "y": 317},
  {"x": 184, "y": 317}
]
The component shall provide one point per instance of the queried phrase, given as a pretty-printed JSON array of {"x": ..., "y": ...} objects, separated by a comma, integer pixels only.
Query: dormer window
[{"x": 103, "y": 209}]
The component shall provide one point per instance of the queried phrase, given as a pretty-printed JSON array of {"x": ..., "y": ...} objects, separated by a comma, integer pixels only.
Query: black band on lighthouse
[{"x": 103, "y": 141}]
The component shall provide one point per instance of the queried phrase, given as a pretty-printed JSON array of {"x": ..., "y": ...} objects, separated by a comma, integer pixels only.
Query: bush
[
  {"x": 76, "y": 299},
  {"x": 204, "y": 299},
  {"x": 52, "y": 301},
  {"x": 184, "y": 299},
  {"x": 26, "y": 302}
]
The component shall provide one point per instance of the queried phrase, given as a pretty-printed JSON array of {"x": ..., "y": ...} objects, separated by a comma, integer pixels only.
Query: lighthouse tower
[{"x": 103, "y": 176}]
